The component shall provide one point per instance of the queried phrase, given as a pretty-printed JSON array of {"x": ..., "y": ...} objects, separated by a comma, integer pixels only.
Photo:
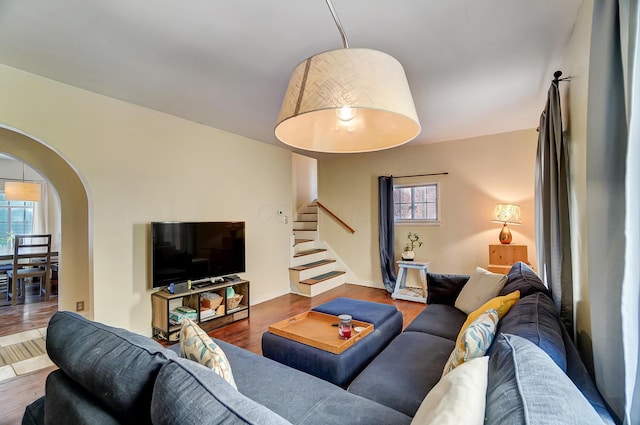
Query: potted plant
[{"x": 414, "y": 242}]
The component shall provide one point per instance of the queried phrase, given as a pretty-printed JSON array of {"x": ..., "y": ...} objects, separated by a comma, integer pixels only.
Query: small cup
[{"x": 344, "y": 327}]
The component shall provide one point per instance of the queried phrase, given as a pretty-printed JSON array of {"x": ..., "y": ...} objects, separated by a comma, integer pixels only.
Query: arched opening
[{"x": 76, "y": 259}]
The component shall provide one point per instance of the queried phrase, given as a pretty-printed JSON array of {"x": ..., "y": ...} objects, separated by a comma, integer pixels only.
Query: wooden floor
[{"x": 17, "y": 393}]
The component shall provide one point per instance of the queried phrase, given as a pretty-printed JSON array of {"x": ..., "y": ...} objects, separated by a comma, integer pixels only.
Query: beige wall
[
  {"x": 574, "y": 108},
  {"x": 138, "y": 166},
  {"x": 482, "y": 171},
  {"x": 304, "y": 180}
]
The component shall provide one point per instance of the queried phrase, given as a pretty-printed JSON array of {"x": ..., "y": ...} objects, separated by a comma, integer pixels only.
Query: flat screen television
[{"x": 184, "y": 251}]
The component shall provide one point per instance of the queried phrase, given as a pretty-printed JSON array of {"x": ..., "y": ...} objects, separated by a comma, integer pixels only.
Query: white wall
[
  {"x": 139, "y": 166},
  {"x": 482, "y": 171}
]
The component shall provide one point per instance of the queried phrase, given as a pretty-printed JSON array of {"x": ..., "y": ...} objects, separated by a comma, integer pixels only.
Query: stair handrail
[{"x": 335, "y": 217}]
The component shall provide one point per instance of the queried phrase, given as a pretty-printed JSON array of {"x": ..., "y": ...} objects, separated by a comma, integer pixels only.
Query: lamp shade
[
  {"x": 348, "y": 100},
  {"x": 506, "y": 213},
  {"x": 21, "y": 191}
]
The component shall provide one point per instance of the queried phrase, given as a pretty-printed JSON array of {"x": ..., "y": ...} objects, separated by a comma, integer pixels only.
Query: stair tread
[
  {"x": 299, "y": 241},
  {"x": 322, "y": 277},
  {"x": 312, "y": 265},
  {"x": 309, "y": 252}
]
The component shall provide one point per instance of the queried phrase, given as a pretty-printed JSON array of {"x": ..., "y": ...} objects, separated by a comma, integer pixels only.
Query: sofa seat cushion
[
  {"x": 187, "y": 392},
  {"x": 116, "y": 366},
  {"x": 522, "y": 278},
  {"x": 301, "y": 398},
  {"x": 526, "y": 387},
  {"x": 439, "y": 320},
  {"x": 364, "y": 311},
  {"x": 535, "y": 318},
  {"x": 402, "y": 375}
]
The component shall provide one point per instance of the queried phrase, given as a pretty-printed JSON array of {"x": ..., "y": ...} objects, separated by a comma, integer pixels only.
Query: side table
[{"x": 401, "y": 291}]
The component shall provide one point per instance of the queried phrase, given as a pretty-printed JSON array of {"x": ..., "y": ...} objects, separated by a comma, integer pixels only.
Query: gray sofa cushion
[
  {"x": 444, "y": 288},
  {"x": 34, "y": 413},
  {"x": 301, "y": 398},
  {"x": 116, "y": 366},
  {"x": 402, "y": 375},
  {"x": 525, "y": 280},
  {"x": 188, "y": 393},
  {"x": 526, "y": 387},
  {"x": 439, "y": 319},
  {"x": 535, "y": 318},
  {"x": 68, "y": 403}
]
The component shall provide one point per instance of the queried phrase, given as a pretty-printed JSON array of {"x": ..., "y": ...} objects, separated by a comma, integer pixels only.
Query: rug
[{"x": 23, "y": 353}]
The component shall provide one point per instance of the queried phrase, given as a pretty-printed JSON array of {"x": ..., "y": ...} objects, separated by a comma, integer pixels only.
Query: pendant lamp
[
  {"x": 347, "y": 100},
  {"x": 21, "y": 191}
]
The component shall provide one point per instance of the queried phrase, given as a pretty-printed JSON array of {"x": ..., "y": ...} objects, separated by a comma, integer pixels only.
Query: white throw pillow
[
  {"x": 458, "y": 398},
  {"x": 480, "y": 288}
]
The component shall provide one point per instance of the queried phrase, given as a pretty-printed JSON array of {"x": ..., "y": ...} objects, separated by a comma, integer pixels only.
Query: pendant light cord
[{"x": 345, "y": 42}]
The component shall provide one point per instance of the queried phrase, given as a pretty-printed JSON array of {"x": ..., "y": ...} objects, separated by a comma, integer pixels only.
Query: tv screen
[{"x": 198, "y": 250}]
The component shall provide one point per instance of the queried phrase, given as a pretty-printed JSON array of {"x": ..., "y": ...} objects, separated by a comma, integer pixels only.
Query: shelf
[{"x": 163, "y": 302}]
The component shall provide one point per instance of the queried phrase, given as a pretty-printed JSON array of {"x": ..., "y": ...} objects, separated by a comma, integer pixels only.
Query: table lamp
[{"x": 506, "y": 214}]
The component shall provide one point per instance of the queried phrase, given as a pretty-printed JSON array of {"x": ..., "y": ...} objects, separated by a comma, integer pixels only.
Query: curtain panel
[
  {"x": 553, "y": 235},
  {"x": 386, "y": 233}
]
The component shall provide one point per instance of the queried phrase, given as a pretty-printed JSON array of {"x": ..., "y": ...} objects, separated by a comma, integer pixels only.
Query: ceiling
[{"x": 475, "y": 67}]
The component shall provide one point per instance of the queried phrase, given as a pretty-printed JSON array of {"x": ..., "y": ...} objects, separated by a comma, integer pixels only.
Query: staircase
[{"x": 311, "y": 272}]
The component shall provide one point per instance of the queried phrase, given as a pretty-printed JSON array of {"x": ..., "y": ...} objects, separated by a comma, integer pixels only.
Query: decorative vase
[{"x": 408, "y": 255}]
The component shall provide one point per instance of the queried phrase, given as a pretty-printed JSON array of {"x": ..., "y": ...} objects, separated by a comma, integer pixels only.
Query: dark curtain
[
  {"x": 553, "y": 236},
  {"x": 386, "y": 232}
]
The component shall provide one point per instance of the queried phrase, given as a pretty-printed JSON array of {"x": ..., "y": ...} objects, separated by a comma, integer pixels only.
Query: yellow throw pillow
[
  {"x": 477, "y": 332},
  {"x": 196, "y": 345},
  {"x": 501, "y": 304}
]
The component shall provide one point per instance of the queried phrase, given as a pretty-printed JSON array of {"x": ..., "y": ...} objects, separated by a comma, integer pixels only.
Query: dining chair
[{"x": 31, "y": 260}]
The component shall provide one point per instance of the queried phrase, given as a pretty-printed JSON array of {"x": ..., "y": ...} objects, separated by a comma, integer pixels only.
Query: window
[
  {"x": 16, "y": 218},
  {"x": 416, "y": 203}
]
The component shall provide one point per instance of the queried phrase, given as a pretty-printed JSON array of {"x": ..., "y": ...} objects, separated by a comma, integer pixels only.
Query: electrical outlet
[{"x": 79, "y": 305}]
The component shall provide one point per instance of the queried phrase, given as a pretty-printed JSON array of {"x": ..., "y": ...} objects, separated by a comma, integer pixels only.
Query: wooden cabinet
[
  {"x": 502, "y": 257},
  {"x": 230, "y": 309}
]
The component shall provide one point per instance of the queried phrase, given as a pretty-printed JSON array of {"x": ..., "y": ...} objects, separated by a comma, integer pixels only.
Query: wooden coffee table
[{"x": 319, "y": 330}]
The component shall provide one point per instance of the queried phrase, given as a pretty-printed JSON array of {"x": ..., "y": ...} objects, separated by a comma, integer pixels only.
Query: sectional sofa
[{"x": 108, "y": 375}]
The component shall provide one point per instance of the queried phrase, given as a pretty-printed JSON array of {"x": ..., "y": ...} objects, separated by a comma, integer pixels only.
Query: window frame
[
  {"x": 421, "y": 221},
  {"x": 6, "y": 238}
]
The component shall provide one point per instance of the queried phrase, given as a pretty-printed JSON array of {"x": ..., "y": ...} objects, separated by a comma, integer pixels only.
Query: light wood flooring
[{"x": 17, "y": 393}]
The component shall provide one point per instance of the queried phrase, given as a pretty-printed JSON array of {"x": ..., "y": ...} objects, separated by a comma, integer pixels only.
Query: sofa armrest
[{"x": 444, "y": 288}]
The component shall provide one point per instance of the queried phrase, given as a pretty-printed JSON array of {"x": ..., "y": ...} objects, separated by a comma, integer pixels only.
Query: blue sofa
[{"x": 108, "y": 375}]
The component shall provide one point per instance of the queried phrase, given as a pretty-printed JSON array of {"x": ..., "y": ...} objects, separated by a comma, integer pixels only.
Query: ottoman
[{"x": 339, "y": 369}]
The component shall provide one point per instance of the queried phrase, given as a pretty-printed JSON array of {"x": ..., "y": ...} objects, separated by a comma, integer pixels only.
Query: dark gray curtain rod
[
  {"x": 557, "y": 75},
  {"x": 421, "y": 175}
]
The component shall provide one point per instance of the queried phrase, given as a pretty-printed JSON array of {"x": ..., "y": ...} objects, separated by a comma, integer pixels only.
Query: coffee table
[{"x": 282, "y": 344}]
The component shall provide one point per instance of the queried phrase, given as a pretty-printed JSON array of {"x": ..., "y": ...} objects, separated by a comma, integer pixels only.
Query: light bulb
[{"x": 346, "y": 113}]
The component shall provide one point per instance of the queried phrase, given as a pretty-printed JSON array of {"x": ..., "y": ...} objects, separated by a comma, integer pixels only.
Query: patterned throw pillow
[
  {"x": 474, "y": 341},
  {"x": 196, "y": 345}
]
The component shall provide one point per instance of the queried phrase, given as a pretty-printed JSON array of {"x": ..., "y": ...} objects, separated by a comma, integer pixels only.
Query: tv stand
[{"x": 228, "y": 311}]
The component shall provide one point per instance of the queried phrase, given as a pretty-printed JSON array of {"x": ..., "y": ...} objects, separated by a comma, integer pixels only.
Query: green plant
[{"x": 414, "y": 241}]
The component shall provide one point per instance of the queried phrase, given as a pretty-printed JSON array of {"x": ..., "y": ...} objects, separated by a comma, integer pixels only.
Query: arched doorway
[{"x": 76, "y": 274}]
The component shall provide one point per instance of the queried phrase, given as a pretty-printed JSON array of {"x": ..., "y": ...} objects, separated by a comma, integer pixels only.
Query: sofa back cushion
[
  {"x": 444, "y": 288},
  {"x": 522, "y": 278},
  {"x": 536, "y": 319},
  {"x": 526, "y": 387},
  {"x": 188, "y": 393},
  {"x": 116, "y": 366}
]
